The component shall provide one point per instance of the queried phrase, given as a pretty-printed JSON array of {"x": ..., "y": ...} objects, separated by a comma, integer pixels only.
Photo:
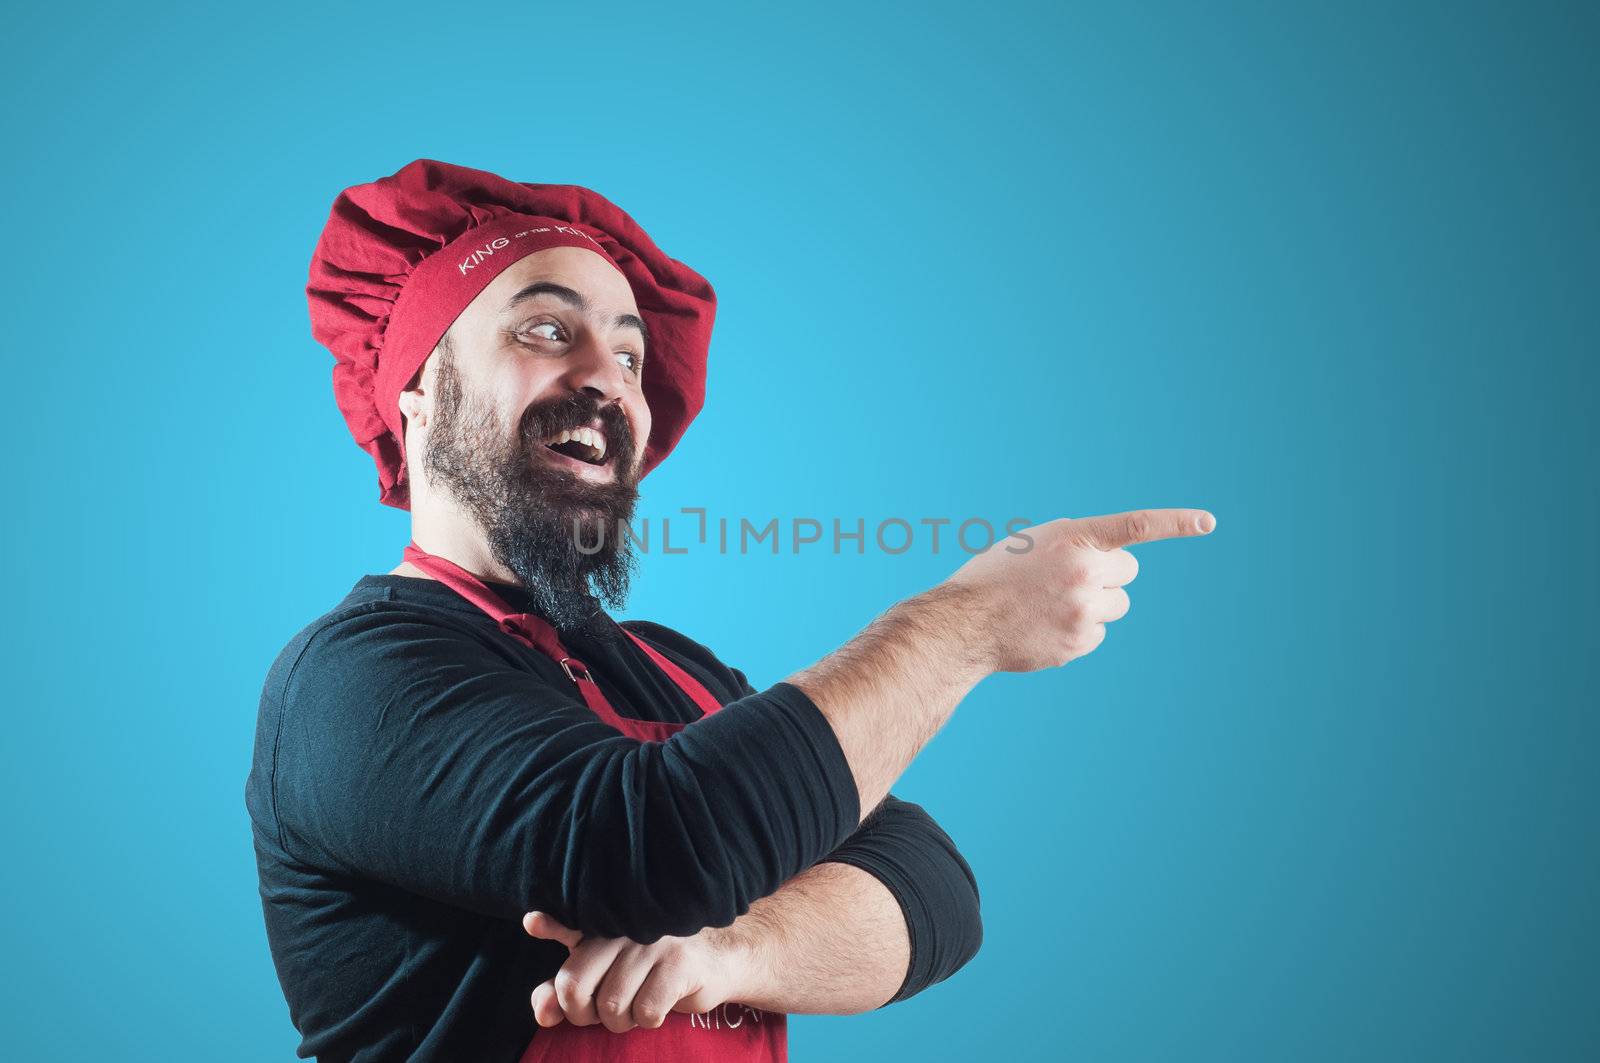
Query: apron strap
[
  {"x": 686, "y": 682},
  {"x": 531, "y": 628},
  {"x": 537, "y": 632}
]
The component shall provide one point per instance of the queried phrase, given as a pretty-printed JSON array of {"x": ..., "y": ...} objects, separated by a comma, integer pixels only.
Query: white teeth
[{"x": 587, "y": 436}]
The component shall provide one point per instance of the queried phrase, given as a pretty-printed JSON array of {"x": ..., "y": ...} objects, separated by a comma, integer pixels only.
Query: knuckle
[
  {"x": 1058, "y": 534},
  {"x": 1079, "y": 569},
  {"x": 1073, "y": 611},
  {"x": 1085, "y": 642},
  {"x": 1139, "y": 526},
  {"x": 650, "y": 1015}
]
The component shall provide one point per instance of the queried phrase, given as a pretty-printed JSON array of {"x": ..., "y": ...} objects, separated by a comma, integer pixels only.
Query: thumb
[{"x": 544, "y": 925}]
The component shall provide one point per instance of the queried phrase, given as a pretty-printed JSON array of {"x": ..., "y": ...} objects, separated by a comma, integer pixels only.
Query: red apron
[{"x": 732, "y": 1032}]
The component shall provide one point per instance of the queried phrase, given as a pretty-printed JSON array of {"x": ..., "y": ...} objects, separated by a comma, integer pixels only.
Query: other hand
[{"x": 620, "y": 983}]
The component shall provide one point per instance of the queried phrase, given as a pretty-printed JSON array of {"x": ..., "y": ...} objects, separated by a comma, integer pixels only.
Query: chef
[{"x": 490, "y": 821}]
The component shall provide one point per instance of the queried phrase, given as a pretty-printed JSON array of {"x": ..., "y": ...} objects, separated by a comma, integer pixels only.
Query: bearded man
[{"x": 493, "y": 823}]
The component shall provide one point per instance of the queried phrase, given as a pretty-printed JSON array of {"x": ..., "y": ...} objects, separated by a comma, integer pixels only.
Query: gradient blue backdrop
[{"x": 1328, "y": 792}]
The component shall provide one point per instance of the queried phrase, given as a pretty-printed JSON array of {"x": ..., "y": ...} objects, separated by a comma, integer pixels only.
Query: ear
[
  {"x": 413, "y": 408},
  {"x": 414, "y": 399}
]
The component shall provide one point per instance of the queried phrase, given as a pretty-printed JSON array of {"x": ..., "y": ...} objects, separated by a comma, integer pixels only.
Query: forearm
[
  {"x": 831, "y": 941},
  {"x": 889, "y": 690},
  {"x": 1038, "y": 602},
  {"x": 901, "y": 846}
]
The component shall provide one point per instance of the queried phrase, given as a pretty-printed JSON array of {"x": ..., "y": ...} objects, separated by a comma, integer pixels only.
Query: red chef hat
[{"x": 401, "y": 257}]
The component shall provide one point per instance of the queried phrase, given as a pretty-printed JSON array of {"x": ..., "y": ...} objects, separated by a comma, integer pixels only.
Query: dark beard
[{"x": 559, "y": 535}]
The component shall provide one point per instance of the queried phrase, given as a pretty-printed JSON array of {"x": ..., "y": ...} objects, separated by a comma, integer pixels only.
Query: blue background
[{"x": 1327, "y": 793}]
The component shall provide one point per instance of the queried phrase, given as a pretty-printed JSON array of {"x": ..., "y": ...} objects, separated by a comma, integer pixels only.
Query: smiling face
[
  {"x": 530, "y": 421},
  {"x": 561, "y": 323}
]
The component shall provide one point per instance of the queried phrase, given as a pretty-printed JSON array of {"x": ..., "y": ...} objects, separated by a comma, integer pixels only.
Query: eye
[
  {"x": 630, "y": 361},
  {"x": 533, "y": 330}
]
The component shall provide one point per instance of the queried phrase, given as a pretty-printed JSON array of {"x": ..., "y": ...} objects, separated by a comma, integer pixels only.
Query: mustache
[{"x": 541, "y": 420}]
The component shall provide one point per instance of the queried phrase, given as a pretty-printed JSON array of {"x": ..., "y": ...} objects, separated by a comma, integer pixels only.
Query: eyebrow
[{"x": 576, "y": 300}]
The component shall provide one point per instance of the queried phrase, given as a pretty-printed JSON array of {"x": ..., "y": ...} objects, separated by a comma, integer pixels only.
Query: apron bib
[{"x": 733, "y": 1032}]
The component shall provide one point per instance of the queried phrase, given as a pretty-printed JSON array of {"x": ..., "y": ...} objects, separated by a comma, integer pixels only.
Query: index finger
[{"x": 1117, "y": 530}]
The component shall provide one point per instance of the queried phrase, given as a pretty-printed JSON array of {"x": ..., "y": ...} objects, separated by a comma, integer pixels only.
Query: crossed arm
[
  {"x": 412, "y": 750},
  {"x": 892, "y": 910}
]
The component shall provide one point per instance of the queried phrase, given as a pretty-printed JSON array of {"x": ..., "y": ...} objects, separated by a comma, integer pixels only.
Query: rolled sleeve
[{"x": 902, "y": 846}]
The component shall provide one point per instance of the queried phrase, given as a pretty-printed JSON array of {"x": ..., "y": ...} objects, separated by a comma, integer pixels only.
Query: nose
[{"x": 591, "y": 366}]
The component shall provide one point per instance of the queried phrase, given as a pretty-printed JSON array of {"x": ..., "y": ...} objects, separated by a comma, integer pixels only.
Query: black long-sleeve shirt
[{"x": 421, "y": 780}]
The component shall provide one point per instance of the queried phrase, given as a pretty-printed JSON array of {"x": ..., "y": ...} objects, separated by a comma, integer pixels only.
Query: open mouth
[{"x": 587, "y": 445}]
